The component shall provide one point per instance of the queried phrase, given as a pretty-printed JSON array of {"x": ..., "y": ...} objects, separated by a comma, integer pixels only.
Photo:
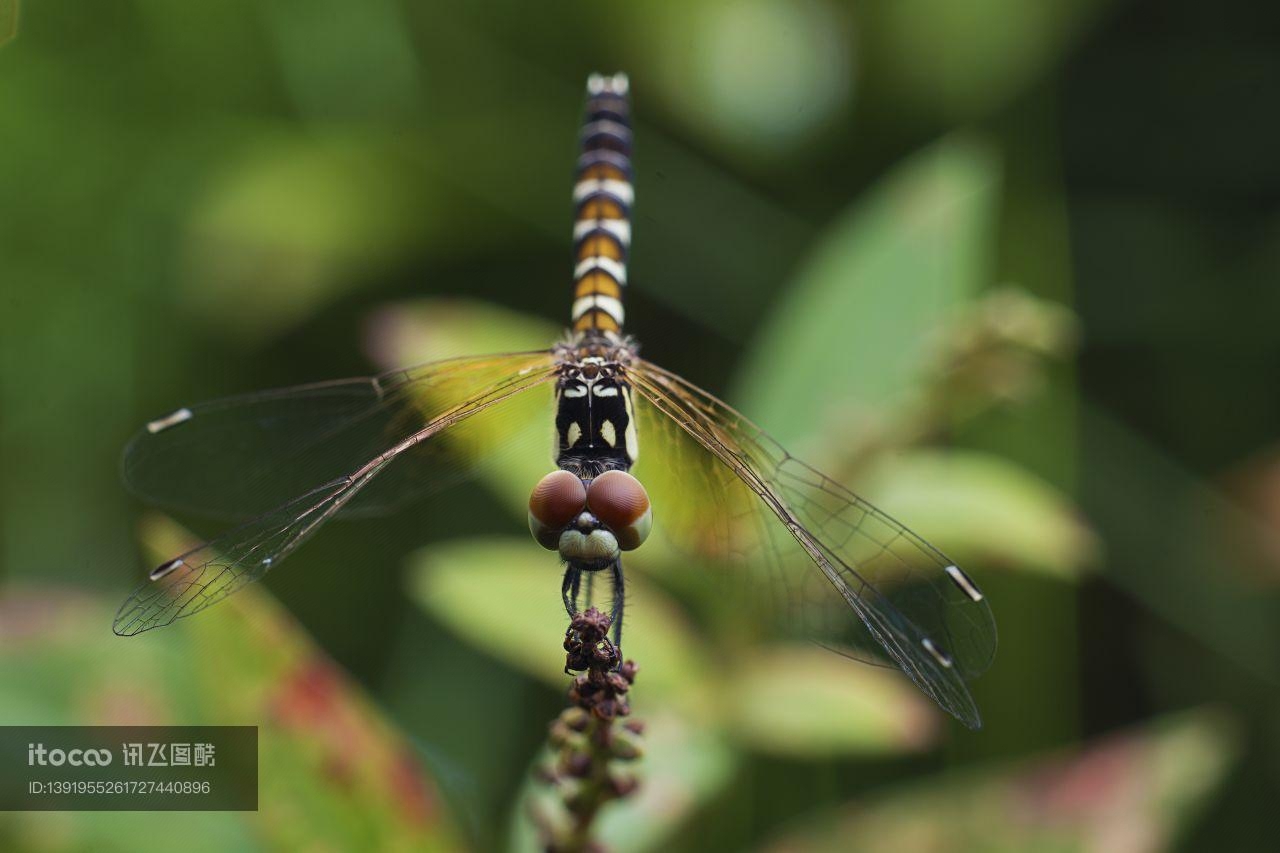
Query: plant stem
[{"x": 586, "y": 740}]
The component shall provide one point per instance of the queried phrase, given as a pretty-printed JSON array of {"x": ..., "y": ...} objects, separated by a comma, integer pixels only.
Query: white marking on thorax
[
  {"x": 573, "y": 434},
  {"x": 631, "y": 437},
  {"x": 605, "y": 390},
  {"x": 609, "y": 433}
]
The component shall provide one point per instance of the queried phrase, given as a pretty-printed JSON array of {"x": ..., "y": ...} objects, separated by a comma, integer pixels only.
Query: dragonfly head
[{"x": 590, "y": 523}]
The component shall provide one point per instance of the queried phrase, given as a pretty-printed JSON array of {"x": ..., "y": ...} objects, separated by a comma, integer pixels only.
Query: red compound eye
[
  {"x": 556, "y": 501},
  {"x": 622, "y": 505}
]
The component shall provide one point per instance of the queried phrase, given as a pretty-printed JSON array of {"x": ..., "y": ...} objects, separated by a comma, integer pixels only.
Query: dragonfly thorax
[{"x": 595, "y": 424}]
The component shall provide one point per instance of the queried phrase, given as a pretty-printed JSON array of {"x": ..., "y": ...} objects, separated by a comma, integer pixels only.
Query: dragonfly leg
[
  {"x": 569, "y": 589},
  {"x": 619, "y": 597},
  {"x": 591, "y": 576}
]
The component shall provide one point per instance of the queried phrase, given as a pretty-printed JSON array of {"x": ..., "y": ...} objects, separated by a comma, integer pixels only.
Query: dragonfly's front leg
[
  {"x": 569, "y": 589},
  {"x": 619, "y": 598}
]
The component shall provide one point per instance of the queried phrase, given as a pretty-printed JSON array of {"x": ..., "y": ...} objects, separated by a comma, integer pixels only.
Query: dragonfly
[{"x": 831, "y": 566}]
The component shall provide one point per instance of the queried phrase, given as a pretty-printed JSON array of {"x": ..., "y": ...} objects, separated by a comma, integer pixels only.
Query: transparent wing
[
  {"x": 915, "y": 608},
  {"x": 210, "y": 572},
  {"x": 241, "y": 456}
]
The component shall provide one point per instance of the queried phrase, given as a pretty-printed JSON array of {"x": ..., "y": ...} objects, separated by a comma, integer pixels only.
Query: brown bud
[
  {"x": 575, "y": 718},
  {"x": 577, "y": 765},
  {"x": 621, "y": 785},
  {"x": 625, "y": 748}
]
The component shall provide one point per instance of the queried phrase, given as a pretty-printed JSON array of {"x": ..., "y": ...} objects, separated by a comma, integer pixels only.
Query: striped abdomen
[{"x": 602, "y": 196}]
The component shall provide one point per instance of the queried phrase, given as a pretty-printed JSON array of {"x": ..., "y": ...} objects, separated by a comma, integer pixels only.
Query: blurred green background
[{"x": 1031, "y": 247}]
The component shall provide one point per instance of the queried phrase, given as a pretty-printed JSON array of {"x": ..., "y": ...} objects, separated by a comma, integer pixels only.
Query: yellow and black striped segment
[{"x": 602, "y": 196}]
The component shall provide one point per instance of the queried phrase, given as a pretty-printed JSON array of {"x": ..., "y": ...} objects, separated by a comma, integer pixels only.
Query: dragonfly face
[
  {"x": 590, "y": 523},
  {"x": 835, "y": 569}
]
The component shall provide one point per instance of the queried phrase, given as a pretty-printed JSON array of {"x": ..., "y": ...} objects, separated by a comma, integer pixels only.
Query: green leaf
[
  {"x": 503, "y": 596},
  {"x": 806, "y": 702},
  {"x": 1140, "y": 788},
  {"x": 853, "y": 333},
  {"x": 422, "y": 330},
  {"x": 333, "y": 771},
  {"x": 986, "y": 509}
]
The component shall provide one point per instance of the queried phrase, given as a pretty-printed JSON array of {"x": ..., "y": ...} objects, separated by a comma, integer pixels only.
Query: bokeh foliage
[{"x": 1005, "y": 267}]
